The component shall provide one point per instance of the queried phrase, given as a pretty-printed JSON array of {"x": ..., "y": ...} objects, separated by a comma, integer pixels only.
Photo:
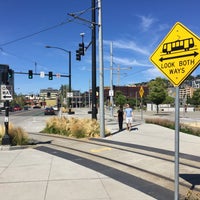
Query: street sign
[
  {"x": 111, "y": 93},
  {"x": 70, "y": 94},
  {"x": 178, "y": 54},
  {"x": 57, "y": 75},
  {"x": 6, "y": 92},
  {"x": 141, "y": 91},
  {"x": 42, "y": 74}
]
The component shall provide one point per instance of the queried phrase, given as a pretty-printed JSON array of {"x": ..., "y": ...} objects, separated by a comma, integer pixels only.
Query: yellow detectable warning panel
[{"x": 178, "y": 54}]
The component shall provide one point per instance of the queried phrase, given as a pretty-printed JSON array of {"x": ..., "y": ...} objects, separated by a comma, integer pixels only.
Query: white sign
[
  {"x": 111, "y": 93},
  {"x": 42, "y": 74},
  {"x": 6, "y": 119},
  {"x": 6, "y": 92},
  {"x": 69, "y": 94}
]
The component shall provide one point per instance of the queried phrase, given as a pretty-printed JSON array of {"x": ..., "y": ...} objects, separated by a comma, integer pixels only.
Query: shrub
[
  {"x": 73, "y": 127},
  {"x": 17, "y": 134},
  {"x": 185, "y": 128}
]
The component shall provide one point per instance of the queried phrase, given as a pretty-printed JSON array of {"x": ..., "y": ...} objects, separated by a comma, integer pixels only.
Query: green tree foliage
[
  {"x": 64, "y": 89},
  {"x": 120, "y": 99},
  {"x": 18, "y": 99},
  {"x": 195, "y": 100},
  {"x": 157, "y": 91},
  {"x": 169, "y": 100}
]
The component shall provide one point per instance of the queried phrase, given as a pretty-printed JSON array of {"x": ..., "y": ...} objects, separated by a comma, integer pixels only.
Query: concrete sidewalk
[{"x": 41, "y": 173}]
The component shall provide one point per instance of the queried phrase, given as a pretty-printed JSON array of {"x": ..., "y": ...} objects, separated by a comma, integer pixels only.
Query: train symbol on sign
[{"x": 177, "y": 45}]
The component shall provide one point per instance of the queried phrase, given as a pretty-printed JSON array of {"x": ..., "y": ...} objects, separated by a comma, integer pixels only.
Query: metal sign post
[
  {"x": 6, "y": 95},
  {"x": 141, "y": 91},
  {"x": 176, "y": 168},
  {"x": 177, "y": 57},
  {"x": 6, "y": 140}
]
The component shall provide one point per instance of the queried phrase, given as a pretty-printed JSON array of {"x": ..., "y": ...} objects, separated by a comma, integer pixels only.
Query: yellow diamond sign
[
  {"x": 141, "y": 91},
  {"x": 178, "y": 54}
]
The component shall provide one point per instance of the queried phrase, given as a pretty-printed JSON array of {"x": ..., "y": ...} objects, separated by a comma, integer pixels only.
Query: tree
[
  {"x": 18, "y": 99},
  {"x": 169, "y": 100},
  {"x": 157, "y": 91},
  {"x": 195, "y": 100},
  {"x": 120, "y": 99},
  {"x": 64, "y": 89}
]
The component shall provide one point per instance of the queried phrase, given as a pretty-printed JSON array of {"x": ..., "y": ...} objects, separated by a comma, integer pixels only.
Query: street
[{"x": 34, "y": 120}]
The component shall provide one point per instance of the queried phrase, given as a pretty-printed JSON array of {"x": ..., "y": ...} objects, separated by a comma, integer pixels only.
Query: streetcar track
[
  {"x": 134, "y": 148},
  {"x": 74, "y": 147}
]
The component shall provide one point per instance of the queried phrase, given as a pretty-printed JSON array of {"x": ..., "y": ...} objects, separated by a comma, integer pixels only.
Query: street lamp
[{"x": 70, "y": 89}]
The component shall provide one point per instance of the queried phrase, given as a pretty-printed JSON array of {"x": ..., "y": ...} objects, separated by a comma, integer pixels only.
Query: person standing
[
  {"x": 120, "y": 113},
  {"x": 128, "y": 115}
]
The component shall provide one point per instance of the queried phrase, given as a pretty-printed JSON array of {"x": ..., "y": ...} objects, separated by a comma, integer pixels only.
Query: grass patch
[
  {"x": 17, "y": 134},
  {"x": 72, "y": 127},
  {"x": 185, "y": 128}
]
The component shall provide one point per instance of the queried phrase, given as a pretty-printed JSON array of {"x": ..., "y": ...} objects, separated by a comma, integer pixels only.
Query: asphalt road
[{"x": 34, "y": 120}]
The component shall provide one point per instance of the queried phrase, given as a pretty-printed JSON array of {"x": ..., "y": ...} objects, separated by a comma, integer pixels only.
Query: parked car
[
  {"x": 17, "y": 108},
  {"x": 36, "y": 107},
  {"x": 49, "y": 111}
]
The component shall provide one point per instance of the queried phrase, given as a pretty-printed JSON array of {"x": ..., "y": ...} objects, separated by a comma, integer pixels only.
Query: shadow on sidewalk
[{"x": 147, "y": 187}]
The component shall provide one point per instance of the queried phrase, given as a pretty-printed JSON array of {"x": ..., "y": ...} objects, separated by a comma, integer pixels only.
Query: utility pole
[
  {"x": 111, "y": 79},
  {"x": 101, "y": 73},
  {"x": 118, "y": 72},
  {"x": 93, "y": 42},
  {"x": 89, "y": 95}
]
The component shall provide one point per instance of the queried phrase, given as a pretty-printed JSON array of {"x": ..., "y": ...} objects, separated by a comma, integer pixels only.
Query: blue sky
[{"x": 134, "y": 27}]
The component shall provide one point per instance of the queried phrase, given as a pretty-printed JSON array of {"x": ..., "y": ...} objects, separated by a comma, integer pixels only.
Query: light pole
[{"x": 70, "y": 89}]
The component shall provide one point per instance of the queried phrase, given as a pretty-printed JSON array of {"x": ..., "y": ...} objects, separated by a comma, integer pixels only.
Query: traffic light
[
  {"x": 81, "y": 49},
  {"x": 78, "y": 56},
  {"x": 30, "y": 74},
  {"x": 10, "y": 73},
  {"x": 4, "y": 77},
  {"x": 50, "y": 75}
]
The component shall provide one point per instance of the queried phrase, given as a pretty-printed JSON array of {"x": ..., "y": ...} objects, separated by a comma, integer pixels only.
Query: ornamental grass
[
  {"x": 183, "y": 127},
  {"x": 17, "y": 134},
  {"x": 72, "y": 127}
]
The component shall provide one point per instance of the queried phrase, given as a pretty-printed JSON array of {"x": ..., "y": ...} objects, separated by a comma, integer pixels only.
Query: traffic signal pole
[
  {"x": 38, "y": 74},
  {"x": 94, "y": 101},
  {"x": 6, "y": 140}
]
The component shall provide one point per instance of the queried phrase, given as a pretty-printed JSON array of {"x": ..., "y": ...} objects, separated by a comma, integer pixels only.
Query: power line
[
  {"x": 44, "y": 30},
  {"x": 36, "y": 33}
]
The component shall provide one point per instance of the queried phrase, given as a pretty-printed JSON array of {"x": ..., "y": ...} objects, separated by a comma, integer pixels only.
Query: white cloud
[
  {"x": 130, "y": 62},
  {"x": 146, "y": 22},
  {"x": 152, "y": 73},
  {"x": 128, "y": 45}
]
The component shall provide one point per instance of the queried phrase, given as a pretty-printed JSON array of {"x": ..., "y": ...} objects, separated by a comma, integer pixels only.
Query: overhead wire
[
  {"x": 44, "y": 30},
  {"x": 39, "y": 32},
  {"x": 36, "y": 33}
]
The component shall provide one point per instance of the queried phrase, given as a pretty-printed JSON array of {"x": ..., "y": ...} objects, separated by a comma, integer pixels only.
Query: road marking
[{"x": 100, "y": 150}]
